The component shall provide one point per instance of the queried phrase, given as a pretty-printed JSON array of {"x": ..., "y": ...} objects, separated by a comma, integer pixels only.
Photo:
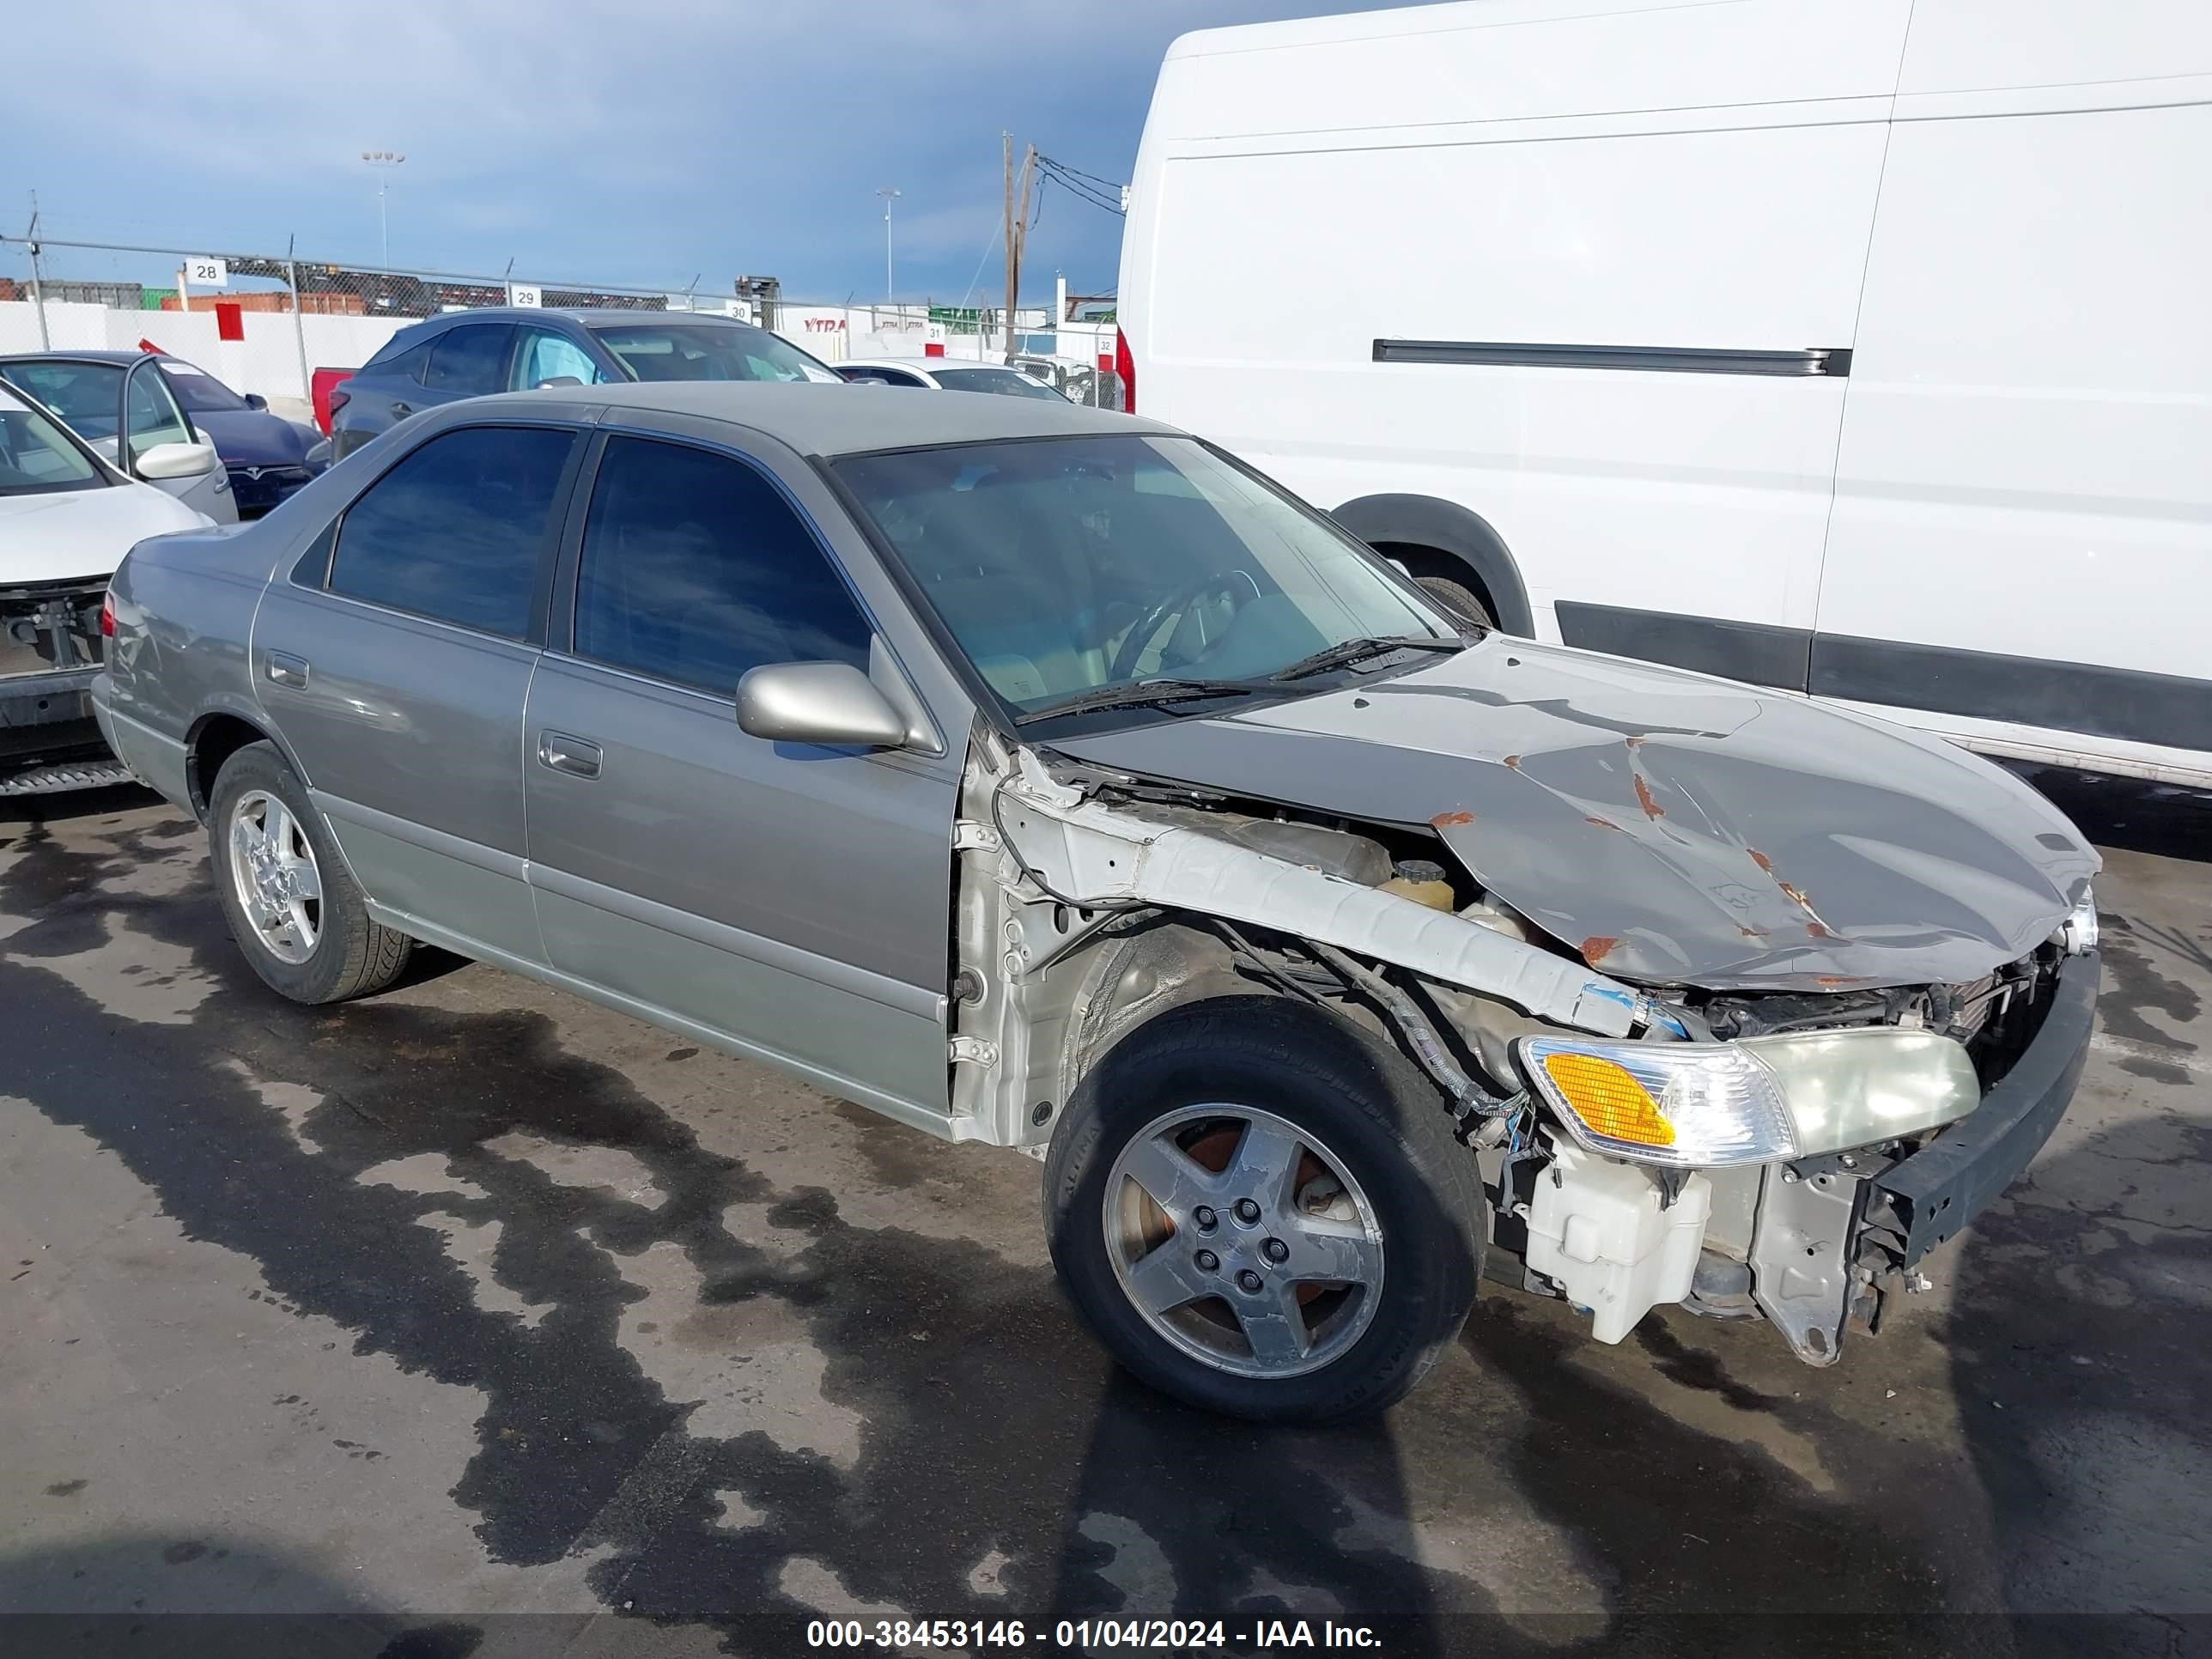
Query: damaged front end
[{"x": 1746, "y": 1152}]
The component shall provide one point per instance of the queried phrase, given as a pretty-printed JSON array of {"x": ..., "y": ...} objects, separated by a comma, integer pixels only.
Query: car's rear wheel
[
  {"x": 292, "y": 905},
  {"x": 1264, "y": 1213}
]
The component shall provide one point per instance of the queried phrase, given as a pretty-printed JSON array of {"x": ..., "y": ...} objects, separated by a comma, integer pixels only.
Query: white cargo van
[{"x": 1858, "y": 347}]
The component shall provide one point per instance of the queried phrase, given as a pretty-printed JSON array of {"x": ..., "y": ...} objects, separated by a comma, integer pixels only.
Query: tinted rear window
[
  {"x": 1007, "y": 382},
  {"x": 457, "y": 530},
  {"x": 406, "y": 363},
  {"x": 470, "y": 361}
]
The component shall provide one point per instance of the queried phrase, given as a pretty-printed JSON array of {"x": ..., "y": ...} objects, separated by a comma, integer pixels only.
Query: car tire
[
  {"x": 1222, "y": 1082},
  {"x": 1459, "y": 598},
  {"x": 270, "y": 850}
]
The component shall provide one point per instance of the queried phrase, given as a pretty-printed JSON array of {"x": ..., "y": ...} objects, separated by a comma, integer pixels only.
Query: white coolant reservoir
[{"x": 1596, "y": 1227}]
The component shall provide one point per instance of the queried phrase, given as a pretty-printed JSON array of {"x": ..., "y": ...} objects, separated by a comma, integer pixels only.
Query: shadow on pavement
[
  {"x": 2076, "y": 1338},
  {"x": 152, "y": 1596}
]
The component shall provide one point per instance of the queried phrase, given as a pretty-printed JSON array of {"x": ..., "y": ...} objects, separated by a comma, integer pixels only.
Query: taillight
[
  {"x": 106, "y": 616},
  {"x": 1126, "y": 366},
  {"x": 339, "y": 398}
]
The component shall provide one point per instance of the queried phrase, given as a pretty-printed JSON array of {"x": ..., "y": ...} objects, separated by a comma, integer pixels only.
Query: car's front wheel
[
  {"x": 1264, "y": 1213},
  {"x": 292, "y": 905}
]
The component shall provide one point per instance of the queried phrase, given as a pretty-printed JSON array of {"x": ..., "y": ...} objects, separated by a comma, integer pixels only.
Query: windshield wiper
[
  {"x": 1347, "y": 652},
  {"x": 1143, "y": 694}
]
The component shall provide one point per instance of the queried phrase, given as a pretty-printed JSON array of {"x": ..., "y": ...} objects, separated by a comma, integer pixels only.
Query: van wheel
[
  {"x": 1459, "y": 598},
  {"x": 291, "y": 903},
  {"x": 1263, "y": 1213}
]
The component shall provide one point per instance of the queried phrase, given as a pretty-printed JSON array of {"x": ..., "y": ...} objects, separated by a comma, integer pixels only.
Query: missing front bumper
[{"x": 1830, "y": 1245}]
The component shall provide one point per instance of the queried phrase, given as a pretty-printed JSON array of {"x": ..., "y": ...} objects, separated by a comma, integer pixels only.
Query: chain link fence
[{"x": 265, "y": 323}]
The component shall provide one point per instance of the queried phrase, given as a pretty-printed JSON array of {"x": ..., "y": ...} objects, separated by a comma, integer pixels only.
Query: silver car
[{"x": 1044, "y": 778}]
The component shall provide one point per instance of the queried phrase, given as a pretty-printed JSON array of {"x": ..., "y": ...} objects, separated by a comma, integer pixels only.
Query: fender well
[
  {"x": 1459, "y": 532},
  {"x": 213, "y": 740}
]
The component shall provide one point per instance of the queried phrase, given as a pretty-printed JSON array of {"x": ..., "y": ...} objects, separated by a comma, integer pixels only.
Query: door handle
[
  {"x": 574, "y": 756},
  {"x": 285, "y": 669},
  {"x": 401, "y": 412}
]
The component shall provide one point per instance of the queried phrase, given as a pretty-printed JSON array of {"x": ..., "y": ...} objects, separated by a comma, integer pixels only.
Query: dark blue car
[{"x": 265, "y": 456}]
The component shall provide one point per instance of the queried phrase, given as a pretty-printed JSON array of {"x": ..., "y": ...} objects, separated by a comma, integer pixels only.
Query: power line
[
  {"x": 1090, "y": 194},
  {"x": 1085, "y": 191},
  {"x": 1080, "y": 174},
  {"x": 978, "y": 277}
]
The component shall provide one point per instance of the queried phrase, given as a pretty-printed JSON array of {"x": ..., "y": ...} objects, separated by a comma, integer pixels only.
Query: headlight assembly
[
  {"x": 1699, "y": 1104},
  {"x": 1693, "y": 1104},
  {"x": 2077, "y": 934}
]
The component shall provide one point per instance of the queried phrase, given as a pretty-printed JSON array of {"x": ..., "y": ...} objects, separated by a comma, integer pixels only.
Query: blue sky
[{"x": 638, "y": 142}]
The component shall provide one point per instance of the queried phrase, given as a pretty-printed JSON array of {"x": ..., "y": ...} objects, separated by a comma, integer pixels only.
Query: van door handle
[
  {"x": 401, "y": 412},
  {"x": 285, "y": 669},
  {"x": 574, "y": 756}
]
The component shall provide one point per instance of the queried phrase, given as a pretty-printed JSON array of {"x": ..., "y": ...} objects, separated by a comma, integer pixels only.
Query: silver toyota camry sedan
[{"x": 1045, "y": 778}]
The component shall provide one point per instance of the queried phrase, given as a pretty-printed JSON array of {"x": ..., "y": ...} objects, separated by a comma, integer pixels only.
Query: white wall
[{"x": 266, "y": 360}]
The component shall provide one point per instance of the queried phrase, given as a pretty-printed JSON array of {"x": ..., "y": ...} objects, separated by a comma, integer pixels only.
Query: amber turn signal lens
[{"x": 1610, "y": 1102}]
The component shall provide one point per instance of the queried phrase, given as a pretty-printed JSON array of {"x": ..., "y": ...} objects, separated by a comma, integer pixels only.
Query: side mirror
[
  {"x": 830, "y": 704},
  {"x": 176, "y": 461},
  {"x": 558, "y": 379},
  {"x": 255, "y": 400}
]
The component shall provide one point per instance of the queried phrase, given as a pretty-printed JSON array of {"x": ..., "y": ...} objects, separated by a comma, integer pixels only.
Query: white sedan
[
  {"x": 67, "y": 517},
  {"x": 945, "y": 374}
]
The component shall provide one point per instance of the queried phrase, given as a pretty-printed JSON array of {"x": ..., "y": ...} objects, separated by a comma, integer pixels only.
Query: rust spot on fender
[
  {"x": 1752, "y": 932},
  {"x": 1638, "y": 741},
  {"x": 1513, "y": 760},
  {"x": 1794, "y": 896},
  {"x": 1597, "y": 947},
  {"x": 1448, "y": 820},
  {"x": 1841, "y": 979},
  {"x": 1760, "y": 859},
  {"x": 1820, "y": 930},
  {"x": 1603, "y": 824},
  {"x": 1651, "y": 808}
]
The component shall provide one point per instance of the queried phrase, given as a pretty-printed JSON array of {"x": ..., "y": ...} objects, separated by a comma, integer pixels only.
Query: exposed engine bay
[{"x": 1642, "y": 1143}]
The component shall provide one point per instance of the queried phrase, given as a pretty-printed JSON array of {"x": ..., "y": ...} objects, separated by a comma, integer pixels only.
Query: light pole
[
  {"x": 889, "y": 194},
  {"x": 383, "y": 161}
]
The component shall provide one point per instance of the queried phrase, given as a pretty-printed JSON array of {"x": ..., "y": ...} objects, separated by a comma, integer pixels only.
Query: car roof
[
  {"x": 929, "y": 364},
  {"x": 816, "y": 419},
  {"x": 588, "y": 315},
  {"x": 100, "y": 355}
]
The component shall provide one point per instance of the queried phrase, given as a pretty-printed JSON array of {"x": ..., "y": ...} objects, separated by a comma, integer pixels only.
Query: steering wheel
[{"x": 1134, "y": 642}]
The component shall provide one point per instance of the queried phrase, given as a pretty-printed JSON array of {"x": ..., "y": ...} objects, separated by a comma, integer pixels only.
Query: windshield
[
  {"x": 36, "y": 456},
  {"x": 1011, "y": 382},
  {"x": 87, "y": 395},
  {"x": 199, "y": 391},
  {"x": 706, "y": 351},
  {"x": 1067, "y": 565}
]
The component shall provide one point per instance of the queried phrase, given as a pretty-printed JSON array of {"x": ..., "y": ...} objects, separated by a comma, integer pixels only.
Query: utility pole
[
  {"x": 889, "y": 193},
  {"x": 37, "y": 279},
  {"x": 1016, "y": 227}
]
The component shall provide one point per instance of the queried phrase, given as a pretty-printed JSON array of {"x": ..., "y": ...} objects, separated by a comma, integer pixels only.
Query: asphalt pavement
[{"x": 472, "y": 1319}]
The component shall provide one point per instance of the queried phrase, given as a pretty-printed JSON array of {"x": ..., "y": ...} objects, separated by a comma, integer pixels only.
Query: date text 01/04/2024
[{"x": 1177, "y": 1634}]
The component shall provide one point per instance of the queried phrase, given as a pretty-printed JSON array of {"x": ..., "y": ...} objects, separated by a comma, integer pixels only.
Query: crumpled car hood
[{"x": 1672, "y": 828}]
